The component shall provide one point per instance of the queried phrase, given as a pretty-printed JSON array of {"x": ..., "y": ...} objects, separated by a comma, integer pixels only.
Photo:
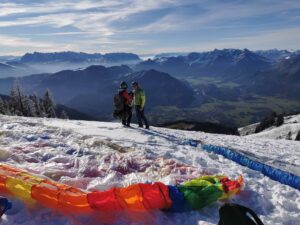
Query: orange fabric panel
[
  {"x": 131, "y": 197},
  {"x": 104, "y": 200},
  {"x": 156, "y": 196},
  {"x": 2, "y": 184},
  {"x": 74, "y": 200},
  {"x": 9, "y": 168},
  {"x": 9, "y": 171},
  {"x": 46, "y": 194}
]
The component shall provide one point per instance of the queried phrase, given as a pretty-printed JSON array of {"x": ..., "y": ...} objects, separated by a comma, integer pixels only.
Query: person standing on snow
[
  {"x": 123, "y": 102},
  {"x": 139, "y": 100}
]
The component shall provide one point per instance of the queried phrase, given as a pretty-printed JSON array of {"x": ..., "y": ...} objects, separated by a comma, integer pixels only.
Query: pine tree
[
  {"x": 30, "y": 108},
  {"x": 17, "y": 99},
  {"x": 2, "y": 107},
  {"x": 298, "y": 136},
  {"x": 49, "y": 105},
  {"x": 64, "y": 115},
  {"x": 266, "y": 123},
  {"x": 37, "y": 105},
  {"x": 280, "y": 120}
]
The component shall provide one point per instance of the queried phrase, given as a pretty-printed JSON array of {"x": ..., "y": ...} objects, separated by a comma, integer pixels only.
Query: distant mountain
[
  {"x": 73, "y": 57},
  {"x": 274, "y": 54},
  {"x": 5, "y": 67},
  {"x": 91, "y": 90},
  {"x": 4, "y": 97},
  {"x": 171, "y": 54},
  {"x": 8, "y": 58},
  {"x": 231, "y": 64},
  {"x": 72, "y": 113},
  {"x": 7, "y": 70},
  {"x": 282, "y": 80},
  {"x": 15, "y": 69},
  {"x": 161, "y": 90}
]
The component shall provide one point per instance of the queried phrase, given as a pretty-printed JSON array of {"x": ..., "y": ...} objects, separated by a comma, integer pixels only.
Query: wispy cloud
[{"x": 113, "y": 24}]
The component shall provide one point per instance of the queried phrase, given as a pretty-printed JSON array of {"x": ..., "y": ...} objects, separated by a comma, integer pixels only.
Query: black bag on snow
[{"x": 234, "y": 214}]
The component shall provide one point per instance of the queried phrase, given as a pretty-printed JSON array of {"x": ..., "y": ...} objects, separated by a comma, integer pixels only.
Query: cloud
[
  {"x": 286, "y": 38},
  {"x": 21, "y": 42},
  {"x": 223, "y": 13},
  {"x": 110, "y": 24}
]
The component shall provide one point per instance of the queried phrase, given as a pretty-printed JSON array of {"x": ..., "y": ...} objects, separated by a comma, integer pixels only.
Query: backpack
[
  {"x": 234, "y": 214},
  {"x": 119, "y": 102}
]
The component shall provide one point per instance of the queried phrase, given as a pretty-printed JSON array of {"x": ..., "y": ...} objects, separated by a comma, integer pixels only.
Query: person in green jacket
[{"x": 139, "y": 100}]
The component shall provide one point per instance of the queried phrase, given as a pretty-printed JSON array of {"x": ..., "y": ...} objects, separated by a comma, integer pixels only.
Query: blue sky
[{"x": 147, "y": 26}]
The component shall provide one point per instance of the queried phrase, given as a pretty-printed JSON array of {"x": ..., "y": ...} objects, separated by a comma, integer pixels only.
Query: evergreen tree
[
  {"x": 2, "y": 107},
  {"x": 49, "y": 105},
  {"x": 298, "y": 136},
  {"x": 280, "y": 120},
  {"x": 30, "y": 109},
  {"x": 17, "y": 99},
  {"x": 266, "y": 123},
  {"x": 7, "y": 107},
  {"x": 64, "y": 115},
  {"x": 37, "y": 105}
]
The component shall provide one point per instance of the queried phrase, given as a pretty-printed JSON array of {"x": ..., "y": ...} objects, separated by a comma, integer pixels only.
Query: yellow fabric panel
[
  {"x": 31, "y": 178},
  {"x": 20, "y": 189}
]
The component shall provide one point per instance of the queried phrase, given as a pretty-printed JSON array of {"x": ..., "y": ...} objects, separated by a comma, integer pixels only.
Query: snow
[{"x": 99, "y": 155}]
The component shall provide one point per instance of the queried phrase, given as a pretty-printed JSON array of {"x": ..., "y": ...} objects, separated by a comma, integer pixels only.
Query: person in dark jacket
[
  {"x": 127, "y": 108},
  {"x": 139, "y": 100}
]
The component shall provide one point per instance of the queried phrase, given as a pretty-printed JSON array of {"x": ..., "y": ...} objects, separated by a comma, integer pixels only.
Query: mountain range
[
  {"x": 233, "y": 64},
  {"x": 75, "y": 57},
  {"x": 33, "y": 63},
  {"x": 282, "y": 80},
  {"x": 231, "y": 86},
  {"x": 91, "y": 90}
]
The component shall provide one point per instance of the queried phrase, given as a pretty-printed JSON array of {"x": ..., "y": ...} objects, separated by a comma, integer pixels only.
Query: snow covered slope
[
  {"x": 98, "y": 155},
  {"x": 288, "y": 130}
]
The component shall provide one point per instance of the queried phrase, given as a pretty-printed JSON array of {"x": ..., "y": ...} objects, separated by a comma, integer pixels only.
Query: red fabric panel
[
  {"x": 3, "y": 189},
  {"x": 156, "y": 196},
  {"x": 104, "y": 200},
  {"x": 229, "y": 185}
]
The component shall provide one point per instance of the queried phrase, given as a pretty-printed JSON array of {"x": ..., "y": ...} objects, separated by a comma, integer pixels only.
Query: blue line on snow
[{"x": 273, "y": 173}]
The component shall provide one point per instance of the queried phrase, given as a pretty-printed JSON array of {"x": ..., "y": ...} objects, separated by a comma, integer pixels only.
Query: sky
[{"x": 147, "y": 26}]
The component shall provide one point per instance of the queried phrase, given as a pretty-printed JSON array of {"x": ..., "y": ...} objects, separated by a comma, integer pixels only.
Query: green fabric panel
[
  {"x": 209, "y": 179},
  {"x": 201, "y": 196}
]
